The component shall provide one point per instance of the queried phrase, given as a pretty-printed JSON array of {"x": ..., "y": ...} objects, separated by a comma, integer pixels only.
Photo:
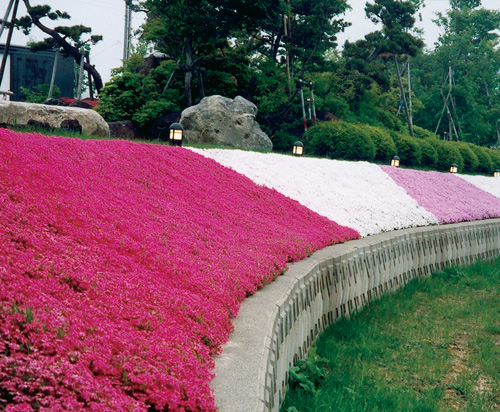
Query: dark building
[{"x": 29, "y": 69}]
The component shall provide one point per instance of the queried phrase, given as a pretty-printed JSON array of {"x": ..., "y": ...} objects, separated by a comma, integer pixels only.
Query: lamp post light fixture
[
  {"x": 496, "y": 173},
  {"x": 395, "y": 161},
  {"x": 176, "y": 134},
  {"x": 298, "y": 148},
  {"x": 454, "y": 168}
]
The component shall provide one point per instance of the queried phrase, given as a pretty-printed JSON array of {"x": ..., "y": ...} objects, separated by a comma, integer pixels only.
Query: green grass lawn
[{"x": 432, "y": 346}]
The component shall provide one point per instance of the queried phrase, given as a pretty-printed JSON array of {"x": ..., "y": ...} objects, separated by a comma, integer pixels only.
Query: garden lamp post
[
  {"x": 298, "y": 148},
  {"x": 454, "y": 168},
  {"x": 176, "y": 134},
  {"x": 395, "y": 161},
  {"x": 496, "y": 173}
]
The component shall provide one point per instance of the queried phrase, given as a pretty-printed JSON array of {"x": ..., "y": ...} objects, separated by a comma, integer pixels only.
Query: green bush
[
  {"x": 485, "y": 164},
  {"x": 137, "y": 97},
  {"x": 495, "y": 158},
  {"x": 39, "y": 94},
  {"x": 422, "y": 133},
  {"x": 429, "y": 155},
  {"x": 408, "y": 149},
  {"x": 385, "y": 148},
  {"x": 288, "y": 133},
  {"x": 448, "y": 154},
  {"x": 340, "y": 140},
  {"x": 471, "y": 161}
]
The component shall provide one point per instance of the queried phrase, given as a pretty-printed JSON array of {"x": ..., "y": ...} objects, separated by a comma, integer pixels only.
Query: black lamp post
[
  {"x": 454, "y": 168},
  {"x": 298, "y": 148},
  {"x": 176, "y": 134},
  {"x": 395, "y": 161},
  {"x": 496, "y": 173}
]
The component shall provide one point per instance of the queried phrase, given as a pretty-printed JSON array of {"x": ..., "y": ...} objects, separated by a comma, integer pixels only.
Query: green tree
[
  {"x": 190, "y": 30},
  {"x": 459, "y": 82},
  {"x": 394, "y": 39}
]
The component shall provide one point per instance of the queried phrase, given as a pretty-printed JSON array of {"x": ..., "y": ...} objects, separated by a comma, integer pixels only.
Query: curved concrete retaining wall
[{"x": 277, "y": 325}]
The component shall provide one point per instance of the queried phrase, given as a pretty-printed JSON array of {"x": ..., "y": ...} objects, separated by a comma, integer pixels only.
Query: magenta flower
[{"x": 122, "y": 265}]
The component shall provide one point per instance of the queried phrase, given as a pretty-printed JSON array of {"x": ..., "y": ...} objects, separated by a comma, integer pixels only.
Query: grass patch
[{"x": 432, "y": 346}]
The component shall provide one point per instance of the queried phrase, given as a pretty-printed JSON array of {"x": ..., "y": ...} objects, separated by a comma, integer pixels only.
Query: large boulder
[
  {"x": 226, "y": 122},
  {"x": 56, "y": 117}
]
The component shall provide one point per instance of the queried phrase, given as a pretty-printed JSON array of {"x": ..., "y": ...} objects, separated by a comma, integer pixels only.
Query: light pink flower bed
[
  {"x": 448, "y": 197},
  {"x": 121, "y": 266}
]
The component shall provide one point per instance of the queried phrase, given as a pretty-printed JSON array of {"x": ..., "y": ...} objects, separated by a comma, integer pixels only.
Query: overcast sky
[{"x": 107, "y": 17}]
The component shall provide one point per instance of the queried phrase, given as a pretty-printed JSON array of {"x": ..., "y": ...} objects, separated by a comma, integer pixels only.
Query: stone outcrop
[
  {"x": 227, "y": 122},
  {"x": 56, "y": 117}
]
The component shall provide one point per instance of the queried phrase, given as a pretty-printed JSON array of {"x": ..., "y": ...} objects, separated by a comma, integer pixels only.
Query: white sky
[{"x": 106, "y": 17}]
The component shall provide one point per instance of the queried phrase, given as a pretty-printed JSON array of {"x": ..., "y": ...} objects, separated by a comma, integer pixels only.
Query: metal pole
[
  {"x": 53, "y": 78},
  {"x": 4, "y": 21},
  {"x": 80, "y": 75},
  {"x": 403, "y": 95},
  {"x": 303, "y": 106},
  {"x": 126, "y": 34}
]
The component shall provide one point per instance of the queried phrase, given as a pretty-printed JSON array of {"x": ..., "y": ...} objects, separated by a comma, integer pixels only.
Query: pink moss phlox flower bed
[
  {"x": 448, "y": 197},
  {"x": 121, "y": 266}
]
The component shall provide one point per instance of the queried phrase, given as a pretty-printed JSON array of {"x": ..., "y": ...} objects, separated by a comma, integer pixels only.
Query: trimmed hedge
[
  {"x": 485, "y": 164},
  {"x": 429, "y": 155},
  {"x": 340, "y": 140},
  {"x": 408, "y": 149},
  {"x": 385, "y": 147},
  {"x": 448, "y": 154},
  {"x": 344, "y": 140},
  {"x": 471, "y": 161}
]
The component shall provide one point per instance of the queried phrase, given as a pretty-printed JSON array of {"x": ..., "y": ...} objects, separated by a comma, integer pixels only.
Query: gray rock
[
  {"x": 224, "y": 121},
  {"x": 17, "y": 113},
  {"x": 124, "y": 129}
]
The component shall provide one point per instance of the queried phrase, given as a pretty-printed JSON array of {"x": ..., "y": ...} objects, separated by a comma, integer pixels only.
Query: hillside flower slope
[
  {"x": 449, "y": 197},
  {"x": 355, "y": 194},
  {"x": 121, "y": 266}
]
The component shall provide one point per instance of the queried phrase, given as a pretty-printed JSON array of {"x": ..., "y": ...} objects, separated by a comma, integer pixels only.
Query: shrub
[
  {"x": 39, "y": 94},
  {"x": 422, "y": 133},
  {"x": 495, "y": 158},
  {"x": 340, "y": 140},
  {"x": 429, "y": 155},
  {"x": 137, "y": 97},
  {"x": 448, "y": 154},
  {"x": 385, "y": 148},
  {"x": 485, "y": 164},
  {"x": 470, "y": 158},
  {"x": 408, "y": 149}
]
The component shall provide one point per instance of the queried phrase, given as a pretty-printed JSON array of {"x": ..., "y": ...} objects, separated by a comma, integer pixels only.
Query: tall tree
[
  {"x": 190, "y": 30},
  {"x": 69, "y": 39},
  {"x": 395, "y": 38},
  {"x": 465, "y": 78}
]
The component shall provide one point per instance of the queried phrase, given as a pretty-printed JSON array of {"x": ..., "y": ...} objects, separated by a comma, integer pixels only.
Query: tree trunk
[{"x": 188, "y": 76}]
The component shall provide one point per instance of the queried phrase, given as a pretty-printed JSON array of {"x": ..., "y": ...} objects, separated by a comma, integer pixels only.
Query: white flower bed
[
  {"x": 354, "y": 194},
  {"x": 486, "y": 183}
]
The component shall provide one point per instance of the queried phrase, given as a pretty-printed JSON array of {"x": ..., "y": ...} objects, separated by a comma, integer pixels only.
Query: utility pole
[{"x": 127, "y": 30}]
